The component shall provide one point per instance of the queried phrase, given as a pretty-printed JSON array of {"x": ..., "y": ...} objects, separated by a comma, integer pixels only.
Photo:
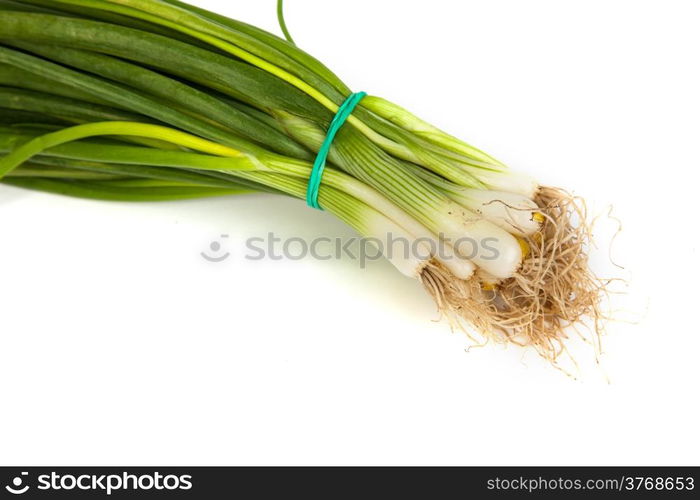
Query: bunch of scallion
[{"x": 160, "y": 100}]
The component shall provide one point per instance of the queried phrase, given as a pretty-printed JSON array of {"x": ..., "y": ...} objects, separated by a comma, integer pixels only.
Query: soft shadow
[
  {"x": 256, "y": 215},
  {"x": 259, "y": 214},
  {"x": 10, "y": 194}
]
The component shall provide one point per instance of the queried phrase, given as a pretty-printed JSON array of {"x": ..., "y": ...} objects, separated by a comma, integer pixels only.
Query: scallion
[{"x": 138, "y": 100}]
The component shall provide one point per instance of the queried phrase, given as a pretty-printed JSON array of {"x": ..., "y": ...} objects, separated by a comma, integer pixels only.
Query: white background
[{"x": 119, "y": 344}]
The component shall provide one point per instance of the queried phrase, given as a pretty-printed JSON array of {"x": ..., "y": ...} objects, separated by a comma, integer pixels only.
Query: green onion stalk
[{"x": 146, "y": 100}]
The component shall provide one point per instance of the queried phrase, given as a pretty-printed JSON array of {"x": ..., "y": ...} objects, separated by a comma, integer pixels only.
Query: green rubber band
[{"x": 340, "y": 117}]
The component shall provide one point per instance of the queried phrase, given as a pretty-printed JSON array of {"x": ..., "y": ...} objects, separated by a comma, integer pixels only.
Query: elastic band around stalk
[{"x": 339, "y": 119}]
